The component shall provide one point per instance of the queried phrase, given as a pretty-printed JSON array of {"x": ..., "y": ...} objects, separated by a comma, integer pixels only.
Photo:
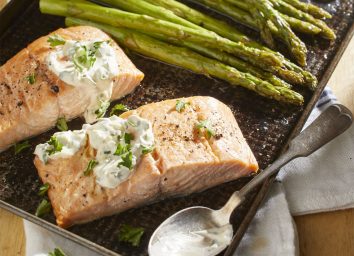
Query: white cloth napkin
[
  {"x": 321, "y": 182},
  {"x": 272, "y": 231}
]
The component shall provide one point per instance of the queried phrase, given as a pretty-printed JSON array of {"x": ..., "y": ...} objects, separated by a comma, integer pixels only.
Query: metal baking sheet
[{"x": 266, "y": 124}]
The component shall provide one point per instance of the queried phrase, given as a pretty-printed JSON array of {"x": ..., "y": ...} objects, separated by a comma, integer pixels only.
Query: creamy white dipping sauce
[
  {"x": 71, "y": 142},
  {"x": 119, "y": 144},
  {"x": 90, "y": 65},
  {"x": 205, "y": 242}
]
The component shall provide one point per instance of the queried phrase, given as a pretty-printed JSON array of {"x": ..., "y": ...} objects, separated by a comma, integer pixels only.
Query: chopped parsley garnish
[
  {"x": 102, "y": 109},
  {"x": 127, "y": 160},
  {"x": 43, "y": 208},
  {"x": 56, "y": 146},
  {"x": 57, "y": 252},
  {"x": 204, "y": 126},
  {"x": 82, "y": 58},
  {"x": 19, "y": 147},
  {"x": 85, "y": 58},
  {"x": 147, "y": 150},
  {"x": 181, "y": 105},
  {"x": 121, "y": 149},
  {"x": 55, "y": 40},
  {"x": 128, "y": 138},
  {"x": 90, "y": 167},
  {"x": 96, "y": 45},
  {"x": 31, "y": 79},
  {"x": 130, "y": 234},
  {"x": 43, "y": 189},
  {"x": 118, "y": 109},
  {"x": 62, "y": 125}
]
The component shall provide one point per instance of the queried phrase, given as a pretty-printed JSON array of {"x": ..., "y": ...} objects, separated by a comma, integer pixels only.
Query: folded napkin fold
[
  {"x": 320, "y": 182},
  {"x": 272, "y": 231}
]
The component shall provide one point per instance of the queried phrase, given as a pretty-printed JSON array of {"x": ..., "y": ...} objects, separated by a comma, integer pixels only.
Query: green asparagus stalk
[
  {"x": 188, "y": 59},
  {"x": 143, "y": 7},
  {"x": 148, "y": 24},
  {"x": 309, "y": 80},
  {"x": 229, "y": 60},
  {"x": 220, "y": 27},
  {"x": 245, "y": 18},
  {"x": 286, "y": 8},
  {"x": 264, "y": 28},
  {"x": 295, "y": 45},
  {"x": 239, "y": 64},
  {"x": 296, "y": 24},
  {"x": 314, "y": 10}
]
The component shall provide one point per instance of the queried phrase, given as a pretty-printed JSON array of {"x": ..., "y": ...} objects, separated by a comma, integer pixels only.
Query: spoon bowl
[{"x": 188, "y": 230}]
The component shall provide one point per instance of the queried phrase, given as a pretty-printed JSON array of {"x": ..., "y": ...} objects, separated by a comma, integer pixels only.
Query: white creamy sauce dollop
[
  {"x": 208, "y": 242},
  {"x": 119, "y": 144},
  {"x": 90, "y": 65},
  {"x": 71, "y": 142}
]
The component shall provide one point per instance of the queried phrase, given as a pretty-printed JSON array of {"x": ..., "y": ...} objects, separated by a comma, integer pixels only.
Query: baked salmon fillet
[
  {"x": 197, "y": 145},
  {"x": 33, "y": 97}
]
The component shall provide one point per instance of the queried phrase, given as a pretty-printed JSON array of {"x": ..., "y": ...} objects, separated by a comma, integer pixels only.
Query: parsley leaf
[
  {"x": 102, "y": 109},
  {"x": 128, "y": 138},
  {"x": 147, "y": 150},
  {"x": 31, "y": 79},
  {"x": 127, "y": 160},
  {"x": 118, "y": 109},
  {"x": 61, "y": 124},
  {"x": 56, "y": 146},
  {"x": 55, "y": 40},
  {"x": 206, "y": 127},
  {"x": 57, "y": 252},
  {"x": 90, "y": 167},
  {"x": 121, "y": 149},
  {"x": 21, "y": 146},
  {"x": 96, "y": 45},
  {"x": 181, "y": 105},
  {"x": 85, "y": 58},
  {"x": 43, "y": 208},
  {"x": 43, "y": 189},
  {"x": 81, "y": 58},
  {"x": 130, "y": 234}
]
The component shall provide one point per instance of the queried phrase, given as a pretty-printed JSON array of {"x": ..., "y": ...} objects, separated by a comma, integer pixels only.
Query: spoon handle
[{"x": 331, "y": 123}]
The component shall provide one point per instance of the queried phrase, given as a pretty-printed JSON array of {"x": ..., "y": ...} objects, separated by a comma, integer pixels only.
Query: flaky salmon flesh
[
  {"x": 183, "y": 161},
  {"x": 29, "y": 109}
]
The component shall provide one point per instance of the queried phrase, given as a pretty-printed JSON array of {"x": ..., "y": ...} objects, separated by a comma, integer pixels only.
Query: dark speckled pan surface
[{"x": 267, "y": 126}]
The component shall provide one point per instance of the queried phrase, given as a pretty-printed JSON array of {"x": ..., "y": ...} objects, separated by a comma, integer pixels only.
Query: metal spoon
[{"x": 187, "y": 225}]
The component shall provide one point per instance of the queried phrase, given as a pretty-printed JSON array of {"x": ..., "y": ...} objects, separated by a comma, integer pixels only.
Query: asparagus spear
[
  {"x": 284, "y": 7},
  {"x": 220, "y": 27},
  {"x": 179, "y": 13},
  {"x": 239, "y": 64},
  {"x": 245, "y": 18},
  {"x": 296, "y": 24},
  {"x": 312, "y": 9},
  {"x": 309, "y": 79},
  {"x": 295, "y": 45},
  {"x": 264, "y": 28},
  {"x": 143, "y": 7},
  {"x": 230, "y": 60},
  {"x": 148, "y": 24},
  {"x": 186, "y": 58}
]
